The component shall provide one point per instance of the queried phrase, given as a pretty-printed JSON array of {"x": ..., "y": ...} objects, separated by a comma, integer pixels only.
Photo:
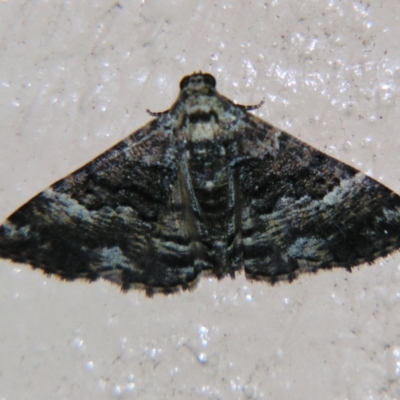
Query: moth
[{"x": 205, "y": 187}]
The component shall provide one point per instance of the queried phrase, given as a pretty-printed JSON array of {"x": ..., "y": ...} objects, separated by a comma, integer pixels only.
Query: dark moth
[{"x": 205, "y": 186}]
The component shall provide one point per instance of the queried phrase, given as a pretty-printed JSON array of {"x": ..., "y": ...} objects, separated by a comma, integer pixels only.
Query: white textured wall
[{"x": 77, "y": 76}]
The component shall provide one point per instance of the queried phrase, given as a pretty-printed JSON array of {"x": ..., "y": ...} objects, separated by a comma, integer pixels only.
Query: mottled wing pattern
[
  {"x": 205, "y": 186},
  {"x": 303, "y": 210},
  {"x": 122, "y": 217}
]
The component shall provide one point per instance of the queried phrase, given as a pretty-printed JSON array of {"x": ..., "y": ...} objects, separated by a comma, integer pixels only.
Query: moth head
[{"x": 198, "y": 81}]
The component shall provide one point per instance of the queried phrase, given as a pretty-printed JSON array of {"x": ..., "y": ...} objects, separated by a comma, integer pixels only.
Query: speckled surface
[{"x": 76, "y": 78}]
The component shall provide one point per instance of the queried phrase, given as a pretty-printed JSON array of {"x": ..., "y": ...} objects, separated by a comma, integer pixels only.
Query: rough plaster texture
[{"x": 76, "y": 77}]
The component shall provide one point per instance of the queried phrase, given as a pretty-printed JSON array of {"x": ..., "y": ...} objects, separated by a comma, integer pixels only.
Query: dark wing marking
[
  {"x": 121, "y": 217},
  {"x": 303, "y": 210}
]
